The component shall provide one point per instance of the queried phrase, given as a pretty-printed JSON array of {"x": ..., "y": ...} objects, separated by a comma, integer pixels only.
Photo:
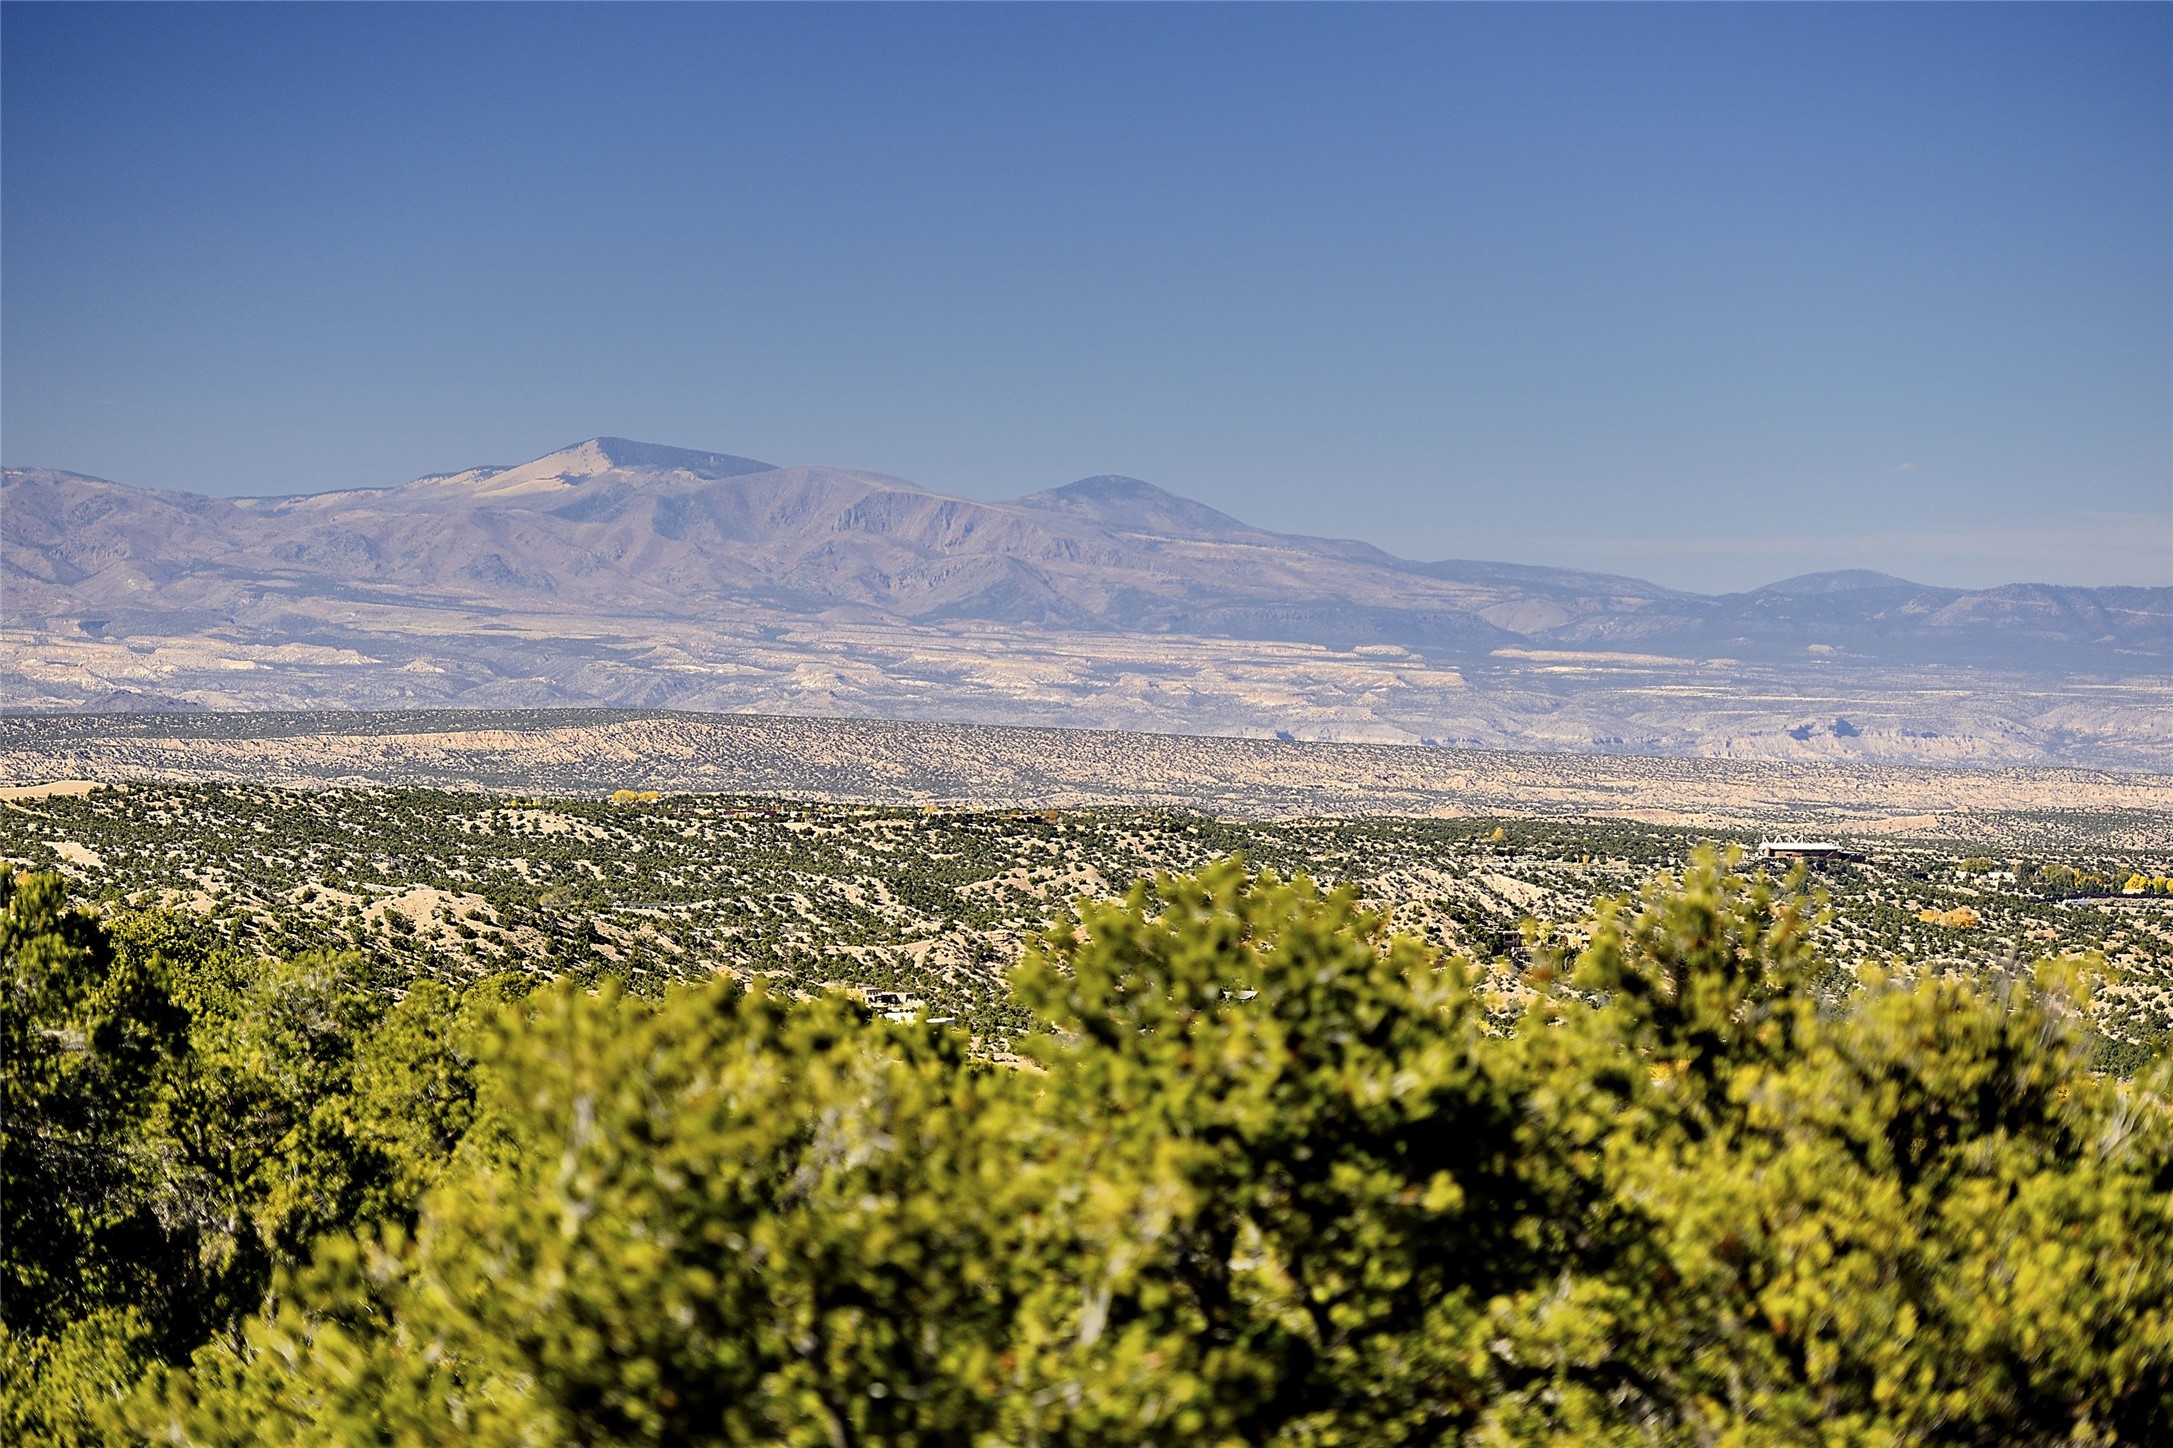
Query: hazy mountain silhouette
[{"x": 633, "y": 529}]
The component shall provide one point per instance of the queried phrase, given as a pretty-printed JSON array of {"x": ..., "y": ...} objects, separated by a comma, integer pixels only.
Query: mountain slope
[
  {"x": 1129, "y": 505},
  {"x": 636, "y": 528},
  {"x": 629, "y": 573}
]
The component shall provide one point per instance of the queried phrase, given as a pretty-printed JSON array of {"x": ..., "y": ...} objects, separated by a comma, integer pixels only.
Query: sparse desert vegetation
[
  {"x": 941, "y": 901},
  {"x": 1585, "y": 860},
  {"x": 591, "y": 753},
  {"x": 1260, "y": 1169},
  {"x": 575, "y": 1103}
]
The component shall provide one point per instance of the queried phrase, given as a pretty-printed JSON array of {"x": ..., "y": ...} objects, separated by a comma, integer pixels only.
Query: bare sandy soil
[{"x": 47, "y": 790}]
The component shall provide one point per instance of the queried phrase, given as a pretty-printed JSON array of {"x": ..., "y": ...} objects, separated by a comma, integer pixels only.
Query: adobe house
[{"x": 1803, "y": 850}]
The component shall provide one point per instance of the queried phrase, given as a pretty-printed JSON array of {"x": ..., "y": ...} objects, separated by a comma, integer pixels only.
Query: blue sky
[{"x": 1709, "y": 294}]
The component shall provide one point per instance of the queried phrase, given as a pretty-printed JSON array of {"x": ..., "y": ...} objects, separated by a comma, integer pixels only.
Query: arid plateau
[{"x": 592, "y": 753}]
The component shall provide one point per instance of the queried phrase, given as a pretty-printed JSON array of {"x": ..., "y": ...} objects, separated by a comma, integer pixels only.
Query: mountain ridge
[
  {"x": 1111, "y": 499},
  {"x": 620, "y": 525},
  {"x": 612, "y": 539}
]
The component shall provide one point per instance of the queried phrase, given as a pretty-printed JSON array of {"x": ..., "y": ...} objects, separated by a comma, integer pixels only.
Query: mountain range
[{"x": 624, "y": 572}]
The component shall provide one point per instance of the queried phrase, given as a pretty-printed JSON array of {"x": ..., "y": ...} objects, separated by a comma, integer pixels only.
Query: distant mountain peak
[
  {"x": 619, "y": 453},
  {"x": 1839, "y": 580},
  {"x": 1119, "y": 502},
  {"x": 596, "y": 457},
  {"x": 1109, "y": 485}
]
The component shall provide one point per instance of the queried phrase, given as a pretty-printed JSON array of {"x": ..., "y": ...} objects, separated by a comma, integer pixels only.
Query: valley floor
[
  {"x": 574, "y": 753},
  {"x": 371, "y": 653}
]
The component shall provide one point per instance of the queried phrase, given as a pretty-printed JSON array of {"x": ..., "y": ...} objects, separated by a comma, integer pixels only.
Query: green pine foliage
[{"x": 1265, "y": 1172}]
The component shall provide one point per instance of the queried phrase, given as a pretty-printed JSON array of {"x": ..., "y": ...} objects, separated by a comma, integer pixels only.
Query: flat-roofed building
[
  {"x": 893, "y": 1005},
  {"x": 1802, "y": 850}
]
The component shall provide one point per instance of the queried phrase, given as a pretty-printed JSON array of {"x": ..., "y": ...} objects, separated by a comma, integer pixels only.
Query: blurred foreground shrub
[{"x": 1270, "y": 1177}]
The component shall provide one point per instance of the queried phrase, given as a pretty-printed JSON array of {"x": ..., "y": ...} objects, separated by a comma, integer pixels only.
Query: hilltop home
[{"x": 1803, "y": 850}]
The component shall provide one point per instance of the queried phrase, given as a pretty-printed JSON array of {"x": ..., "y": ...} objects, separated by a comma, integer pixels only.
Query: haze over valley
[{"x": 632, "y": 574}]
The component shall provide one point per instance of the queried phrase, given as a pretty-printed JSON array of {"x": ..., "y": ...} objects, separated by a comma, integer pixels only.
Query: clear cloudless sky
[{"x": 1709, "y": 294}]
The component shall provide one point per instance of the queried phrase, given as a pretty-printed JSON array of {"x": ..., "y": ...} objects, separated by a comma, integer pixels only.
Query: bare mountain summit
[
  {"x": 1128, "y": 505},
  {"x": 619, "y": 572}
]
